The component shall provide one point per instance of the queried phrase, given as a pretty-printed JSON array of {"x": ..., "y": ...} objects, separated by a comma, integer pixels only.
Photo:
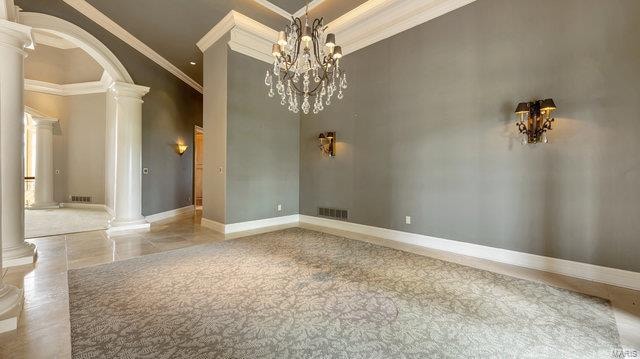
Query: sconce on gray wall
[{"x": 328, "y": 143}]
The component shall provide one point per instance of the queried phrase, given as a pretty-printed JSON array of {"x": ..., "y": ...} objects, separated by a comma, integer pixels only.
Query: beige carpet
[
  {"x": 303, "y": 294},
  {"x": 49, "y": 222}
]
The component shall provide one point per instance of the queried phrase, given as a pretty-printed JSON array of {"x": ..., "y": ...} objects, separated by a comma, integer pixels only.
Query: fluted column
[
  {"x": 44, "y": 163},
  {"x": 128, "y": 166},
  {"x": 13, "y": 38}
]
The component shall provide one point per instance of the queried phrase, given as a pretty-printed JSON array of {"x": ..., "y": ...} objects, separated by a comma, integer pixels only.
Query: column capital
[
  {"x": 15, "y": 35},
  {"x": 44, "y": 121},
  {"x": 124, "y": 89}
]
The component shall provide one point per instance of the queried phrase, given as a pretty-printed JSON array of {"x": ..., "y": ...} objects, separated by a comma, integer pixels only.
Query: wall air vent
[
  {"x": 80, "y": 199},
  {"x": 333, "y": 213}
]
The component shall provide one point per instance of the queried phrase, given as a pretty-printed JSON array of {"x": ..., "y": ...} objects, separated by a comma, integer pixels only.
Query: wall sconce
[
  {"x": 181, "y": 148},
  {"x": 538, "y": 120},
  {"x": 328, "y": 143}
]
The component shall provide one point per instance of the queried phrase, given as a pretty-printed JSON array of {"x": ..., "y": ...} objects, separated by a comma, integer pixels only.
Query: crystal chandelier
[{"x": 306, "y": 65}]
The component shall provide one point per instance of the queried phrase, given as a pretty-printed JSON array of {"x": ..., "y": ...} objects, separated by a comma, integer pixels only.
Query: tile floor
[{"x": 44, "y": 331}]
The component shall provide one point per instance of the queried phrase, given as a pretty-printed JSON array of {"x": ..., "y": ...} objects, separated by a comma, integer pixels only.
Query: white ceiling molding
[
  {"x": 274, "y": 8},
  {"x": 248, "y": 36},
  {"x": 303, "y": 10},
  {"x": 377, "y": 20},
  {"x": 373, "y": 21},
  {"x": 7, "y": 10},
  {"x": 82, "y": 88},
  {"x": 101, "y": 19},
  {"x": 43, "y": 38}
]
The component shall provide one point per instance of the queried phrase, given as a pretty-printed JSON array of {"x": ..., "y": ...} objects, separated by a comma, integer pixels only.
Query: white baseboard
[
  {"x": 84, "y": 205},
  {"x": 211, "y": 224},
  {"x": 612, "y": 276},
  {"x": 170, "y": 214},
  {"x": 249, "y": 225}
]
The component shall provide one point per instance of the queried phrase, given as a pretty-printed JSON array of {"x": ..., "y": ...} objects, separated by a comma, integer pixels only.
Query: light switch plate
[
  {"x": 407, "y": 219},
  {"x": 279, "y": 207}
]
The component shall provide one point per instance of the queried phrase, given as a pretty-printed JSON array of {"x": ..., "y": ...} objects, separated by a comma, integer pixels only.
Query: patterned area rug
[{"x": 297, "y": 293}]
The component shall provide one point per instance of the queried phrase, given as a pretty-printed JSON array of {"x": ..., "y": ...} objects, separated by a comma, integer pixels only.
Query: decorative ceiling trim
[
  {"x": 373, "y": 21},
  {"x": 81, "y": 88},
  {"x": 248, "y": 36},
  {"x": 274, "y": 8},
  {"x": 303, "y": 10},
  {"x": 376, "y": 20},
  {"x": 101, "y": 19},
  {"x": 43, "y": 38}
]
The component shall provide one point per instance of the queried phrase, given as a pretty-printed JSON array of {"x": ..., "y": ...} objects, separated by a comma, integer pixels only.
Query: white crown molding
[
  {"x": 612, "y": 276},
  {"x": 248, "y": 36},
  {"x": 82, "y": 88},
  {"x": 373, "y": 21},
  {"x": 170, "y": 214},
  {"x": 274, "y": 8},
  {"x": 303, "y": 10},
  {"x": 43, "y": 38},
  {"x": 376, "y": 20},
  {"x": 101, "y": 19}
]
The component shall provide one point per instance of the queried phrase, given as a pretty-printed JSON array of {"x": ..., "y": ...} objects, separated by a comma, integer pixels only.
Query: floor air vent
[
  {"x": 80, "y": 199},
  {"x": 333, "y": 213}
]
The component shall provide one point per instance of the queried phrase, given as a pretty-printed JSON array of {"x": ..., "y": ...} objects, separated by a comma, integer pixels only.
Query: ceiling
[{"x": 172, "y": 28}]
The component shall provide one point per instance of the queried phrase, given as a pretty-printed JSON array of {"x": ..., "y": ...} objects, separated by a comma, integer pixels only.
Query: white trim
[
  {"x": 248, "y": 36},
  {"x": 612, "y": 276},
  {"x": 44, "y": 38},
  {"x": 312, "y": 5},
  {"x": 84, "y": 206},
  {"x": 211, "y": 224},
  {"x": 250, "y": 225},
  {"x": 82, "y": 88},
  {"x": 222, "y": 27},
  {"x": 274, "y": 8},
  {"x": 74, "y": 34},
  {"x": 101, "y": 19},
  {"x": 170, "y": 214},
  {"x": 376, "y": 20},
  {"x": 128, "y": 227},
  {"x": 21, "y": 261}
]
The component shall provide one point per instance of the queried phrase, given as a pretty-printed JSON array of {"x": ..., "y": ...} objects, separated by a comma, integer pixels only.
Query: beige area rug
[
  {"x": 297, "y": 293},
  {"x": 50, "y": 222}
]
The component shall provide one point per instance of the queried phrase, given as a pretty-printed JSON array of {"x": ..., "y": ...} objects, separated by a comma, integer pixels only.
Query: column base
[
  {"x": 10, "y": 307},
  {"x": 20, "y": 255},
  {"x": 50, "y": 205},
  {"x": 120, "y": 225}
]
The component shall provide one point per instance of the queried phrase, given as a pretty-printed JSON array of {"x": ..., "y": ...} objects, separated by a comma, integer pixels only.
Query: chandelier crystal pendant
[{"x": 306, "y": 66}]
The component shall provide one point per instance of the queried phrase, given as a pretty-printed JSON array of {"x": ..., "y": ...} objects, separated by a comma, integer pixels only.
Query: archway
[{"x": 123, "y": 181}]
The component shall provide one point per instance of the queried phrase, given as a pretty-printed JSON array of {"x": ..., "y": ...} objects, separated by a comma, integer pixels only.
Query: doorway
[{"x": 197, "y": 166}]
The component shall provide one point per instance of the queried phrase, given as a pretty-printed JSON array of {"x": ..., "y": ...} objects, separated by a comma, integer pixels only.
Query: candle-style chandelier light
[{"x": 306, "y": 65}]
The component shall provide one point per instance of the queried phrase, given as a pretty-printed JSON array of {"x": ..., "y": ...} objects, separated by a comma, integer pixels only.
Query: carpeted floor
[
  {"x": 299, "y": 293},
  {"x": 49, "y": 222}
]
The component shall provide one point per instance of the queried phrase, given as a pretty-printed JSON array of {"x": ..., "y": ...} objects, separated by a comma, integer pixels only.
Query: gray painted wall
[
  {"x": 78, "y": 143},
  {"x": 427, "y": 130},
  {"x": 262, "y": 146},
  {"x": 253, "y": 139},
  {"x": 170, "y": 111},
  {"x": 214, "y": 178}
]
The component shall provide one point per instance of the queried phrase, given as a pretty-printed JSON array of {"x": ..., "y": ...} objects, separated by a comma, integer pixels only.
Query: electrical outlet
[
  {"x": 279, "y": 207},
  {"x": 407, "y": 219},
  {"x": 145, "y": 171}
]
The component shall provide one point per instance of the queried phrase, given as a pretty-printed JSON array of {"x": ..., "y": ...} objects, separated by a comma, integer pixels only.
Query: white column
[
  {"x": 44, "y": 163},
  {"x": 128, "y": 166},
  {"x": 13, "y": 38}
]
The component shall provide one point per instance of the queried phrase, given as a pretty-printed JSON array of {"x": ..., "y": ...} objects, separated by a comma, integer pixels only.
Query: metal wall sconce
[
  {"x": 181, "y": 148},
  {"x": 538, "y": 120},
  {"x": 328, "y": 143}
]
